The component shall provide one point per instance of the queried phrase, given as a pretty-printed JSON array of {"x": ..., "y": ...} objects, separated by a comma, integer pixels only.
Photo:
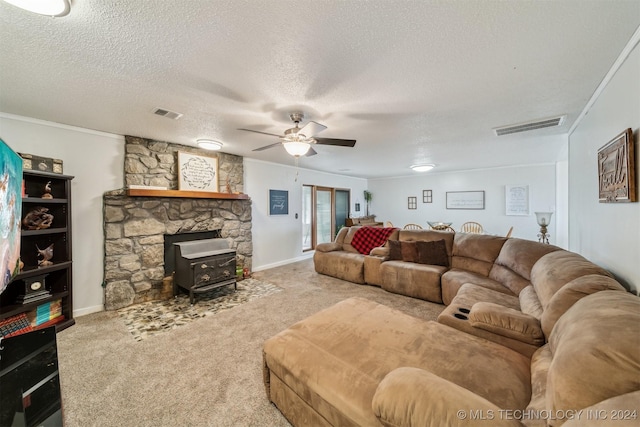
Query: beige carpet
[{"x": 205, "y": 373}]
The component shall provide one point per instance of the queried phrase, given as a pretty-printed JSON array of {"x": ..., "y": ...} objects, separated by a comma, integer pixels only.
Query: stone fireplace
[{"x": 135, "y": 227}]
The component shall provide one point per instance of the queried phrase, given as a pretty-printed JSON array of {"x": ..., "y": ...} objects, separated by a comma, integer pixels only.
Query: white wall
[
  {"x": 606, "y": 233},
  {"x": 96, "y": 160},
  {"x": 390, "y": 198},
  {"x": 277, "y": 239}
]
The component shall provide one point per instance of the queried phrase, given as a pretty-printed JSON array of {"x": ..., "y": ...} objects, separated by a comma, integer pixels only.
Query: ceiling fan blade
[
  {"x": 264, "y": 133},
  {"x": 311, "y": 152},
  {"x": 312, "y": 128},
  {"x": 334, "y": 141},
  {"x": 267, "y": 146}
]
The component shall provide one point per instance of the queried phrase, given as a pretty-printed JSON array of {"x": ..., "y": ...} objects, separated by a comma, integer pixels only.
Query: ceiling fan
[{"x": 297, "y": 140}]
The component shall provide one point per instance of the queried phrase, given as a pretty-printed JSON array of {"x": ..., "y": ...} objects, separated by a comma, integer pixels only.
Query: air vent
[
  {"x": 168, "y": 114},
  {"x": 524, "y": 127}
]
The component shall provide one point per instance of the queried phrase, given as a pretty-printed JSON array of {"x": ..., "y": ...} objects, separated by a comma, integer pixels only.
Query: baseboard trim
[
  {"x": 88, "y": 310},
  {"x": 306, "y": 255}
]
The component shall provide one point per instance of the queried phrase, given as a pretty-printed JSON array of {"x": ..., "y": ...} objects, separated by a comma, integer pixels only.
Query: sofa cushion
[
  {"x": 414, "y": 280},
  {"x": 506, "y": 322},
  {"x": 453, "y": 279},
  {"x": 572, "y": 292},
  {"x": 589, "y": 362},
  {"x": 529, "y": 302},
  {"x": 341, "y": 264},
  {"x": 517, "y": 257},
  {"x": 367, "y": 238},
  {"x": 429, "y": 236},
  {"x": 476, "y": 252},
  {"x": 555, "y": 269},
  {"x": 433, "y": 253}
]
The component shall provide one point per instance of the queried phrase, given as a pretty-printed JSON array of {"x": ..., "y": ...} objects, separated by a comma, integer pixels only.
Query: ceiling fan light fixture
[
  {"x": 423, "y": 167},
  {"x": 296, "y": 148},
  {"x": 209, "y": 144},
  {"x": 55, "y": 8}
]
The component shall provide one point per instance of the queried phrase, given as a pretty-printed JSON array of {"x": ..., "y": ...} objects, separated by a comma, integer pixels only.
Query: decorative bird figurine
[
  {"x": 46, "y": 255},
  {"x": 47, "y": 191}
]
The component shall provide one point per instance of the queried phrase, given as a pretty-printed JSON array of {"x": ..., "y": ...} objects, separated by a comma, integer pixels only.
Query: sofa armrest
[
  {"x": 622, "y": 410},
  {"x": 381, "y": 251},
  {"x": 328, "y": 247},
  {"x": 415, "y": 397},
  {"x": 507, "y": 322}
]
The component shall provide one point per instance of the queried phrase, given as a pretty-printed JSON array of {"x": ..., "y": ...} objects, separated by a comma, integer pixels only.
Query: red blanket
[{"x": 367, "y": 238}]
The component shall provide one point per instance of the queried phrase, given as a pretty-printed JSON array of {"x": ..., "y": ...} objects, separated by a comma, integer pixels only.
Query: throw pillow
[
  {"x": 395, "y": 250},
  {"x": 433, "y": 253},
  {"x": 409, "y": 251}
]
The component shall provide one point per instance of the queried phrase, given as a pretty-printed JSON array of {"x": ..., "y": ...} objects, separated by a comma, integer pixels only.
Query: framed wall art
[
  {"x": 427, "y": 196},
  {"x": 516, "y": 199},
  {"x": 465, "y": 199},
  {"x": 278, "y": 202},
  {"x": 197, "y": 173},
  {"x": 616, "y": 170},
  {"x": 412, "y": 202},
  {"x": 10, "y": 213}
]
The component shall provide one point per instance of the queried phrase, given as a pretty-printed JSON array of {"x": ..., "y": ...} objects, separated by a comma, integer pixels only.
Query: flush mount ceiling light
[
  {"x": 55, "y": 8},
  {"x": 423, "y": 168},
  {"x": 209, "y": 144}
]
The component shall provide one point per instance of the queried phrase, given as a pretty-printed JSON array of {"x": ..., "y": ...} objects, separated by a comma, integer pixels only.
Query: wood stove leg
[{"x": 191, "y": 297}]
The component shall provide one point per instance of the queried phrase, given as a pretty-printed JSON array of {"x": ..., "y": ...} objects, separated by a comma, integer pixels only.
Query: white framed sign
[
  {"x": 517, "y": 200},
  {"x": 465, "y": 200},
  {"x": 197, "y": 173}
]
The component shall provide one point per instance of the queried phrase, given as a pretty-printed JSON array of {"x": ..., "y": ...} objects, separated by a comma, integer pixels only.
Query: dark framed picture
[
  {"x": 427, "y": 196},
  {"x": 616, "y": 170},
  {"x": 412, "y": 202},
  {"x": 465, "y": 199},
  {"x": 278, "y": 202},
  {"x": 357, "y": 207}
]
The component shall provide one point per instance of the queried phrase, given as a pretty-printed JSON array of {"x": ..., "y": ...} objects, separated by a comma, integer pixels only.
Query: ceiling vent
[
  {"x": 524, "y": 127},
  {"x": 168, "y": 114}
]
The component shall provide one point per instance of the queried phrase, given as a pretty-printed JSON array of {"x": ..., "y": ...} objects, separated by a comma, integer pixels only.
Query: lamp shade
[
  {"x": 543, "y": 218},
  {"x": 296, "y": 148}
]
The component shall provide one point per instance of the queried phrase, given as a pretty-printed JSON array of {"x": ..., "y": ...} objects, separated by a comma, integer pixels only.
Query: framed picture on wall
[
  {"x": 516, "y": 199},
  {"x": 427, "y": 196},
  {"x": 465, "y": 199},
  {"x": 278, "y": 202},
  {"x": 617, "y": 170},
  {"x": 412, "y": 202}
]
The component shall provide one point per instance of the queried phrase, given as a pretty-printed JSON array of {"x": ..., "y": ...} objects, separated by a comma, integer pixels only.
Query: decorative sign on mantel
[
  {"x": 197, "y": 173},
  {"x": 517, "y": 199}
]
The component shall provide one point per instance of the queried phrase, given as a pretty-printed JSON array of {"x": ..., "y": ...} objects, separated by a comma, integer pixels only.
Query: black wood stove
[{"x": 202, "y": 265}]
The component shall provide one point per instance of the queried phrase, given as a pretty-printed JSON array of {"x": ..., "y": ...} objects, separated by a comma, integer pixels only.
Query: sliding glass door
[{"x": 324, "y": 212}]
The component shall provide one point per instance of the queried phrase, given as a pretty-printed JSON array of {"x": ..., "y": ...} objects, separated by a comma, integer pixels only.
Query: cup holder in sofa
[
  {"x": 460, "y": 316},
  {"x": 464, "y": 310}
]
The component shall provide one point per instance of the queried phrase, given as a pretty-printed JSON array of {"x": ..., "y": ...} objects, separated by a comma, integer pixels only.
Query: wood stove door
[{"x": 213, "y": 270}]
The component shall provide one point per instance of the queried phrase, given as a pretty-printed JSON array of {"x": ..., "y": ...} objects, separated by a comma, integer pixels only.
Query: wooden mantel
[{"x": 185, "y": 194}]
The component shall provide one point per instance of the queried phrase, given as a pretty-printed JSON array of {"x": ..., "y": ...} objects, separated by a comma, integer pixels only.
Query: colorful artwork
[{"x": 10, "y": 213}]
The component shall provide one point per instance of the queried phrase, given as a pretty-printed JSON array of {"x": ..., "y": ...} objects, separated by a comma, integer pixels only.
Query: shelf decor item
[
  {"x": 10, "y": 213},
  {"x": 197, "y": 173},
  {"x": 43, "y": 164},
  {"x": 37, "y": 219}
]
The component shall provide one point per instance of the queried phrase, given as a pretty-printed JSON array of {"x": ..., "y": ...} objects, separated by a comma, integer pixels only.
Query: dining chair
[
  {"x": 472, "y": 227},
  {"x": 388, "y": 224},
  {"x": 509, "y": 232},
  {"x": 412, "y": 227}
]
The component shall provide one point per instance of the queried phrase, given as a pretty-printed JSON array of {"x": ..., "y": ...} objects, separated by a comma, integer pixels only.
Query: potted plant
[{"x": 367, "y": 198}]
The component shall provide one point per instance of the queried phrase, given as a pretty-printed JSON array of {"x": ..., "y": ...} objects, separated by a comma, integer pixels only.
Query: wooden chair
[
  {"x": 448, "y": 228},
  {"x": 412, "y": 227},
  {"x": 388, "y": 224},
  {"x": 472, "y": 227},
  {"x": 509, "y": 232}
]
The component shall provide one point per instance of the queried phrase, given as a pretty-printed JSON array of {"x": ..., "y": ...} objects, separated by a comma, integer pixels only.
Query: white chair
[
  {"x": 509, "y": 232},
  {"x": 412, "y": 227},
  {"x": 472, "y": 227}
]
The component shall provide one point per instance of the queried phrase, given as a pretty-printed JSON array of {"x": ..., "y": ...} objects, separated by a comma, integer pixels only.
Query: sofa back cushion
[
  {"x": 341, "y": 235},
  {"x": 594, "y": 348},
  {"x": 570, "y": 293},
  {"x": 428, "y": 236},
  {"x": 476, "y": 252},
  {"x": 555, "y": 269},
  {"x": 517, "y": 257},
  {"x": 346, "y": 244}
]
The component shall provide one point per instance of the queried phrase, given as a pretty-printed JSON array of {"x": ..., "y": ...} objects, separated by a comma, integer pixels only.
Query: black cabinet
[{"x": 45, "y": 281}]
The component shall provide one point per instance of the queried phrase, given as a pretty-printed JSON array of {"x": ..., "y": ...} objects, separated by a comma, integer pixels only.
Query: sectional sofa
[{"x": 532, "y": 335}]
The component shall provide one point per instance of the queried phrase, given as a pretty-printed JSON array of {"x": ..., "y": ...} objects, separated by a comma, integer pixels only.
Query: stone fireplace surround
[{"x": 134, "y": 227}]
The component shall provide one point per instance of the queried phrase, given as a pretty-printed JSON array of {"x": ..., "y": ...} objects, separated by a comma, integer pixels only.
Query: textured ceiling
[{"x": 411, "y": 81}]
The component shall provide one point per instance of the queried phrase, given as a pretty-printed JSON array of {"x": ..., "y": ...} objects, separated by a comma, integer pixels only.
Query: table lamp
[{"x": 544, "y": 219}]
